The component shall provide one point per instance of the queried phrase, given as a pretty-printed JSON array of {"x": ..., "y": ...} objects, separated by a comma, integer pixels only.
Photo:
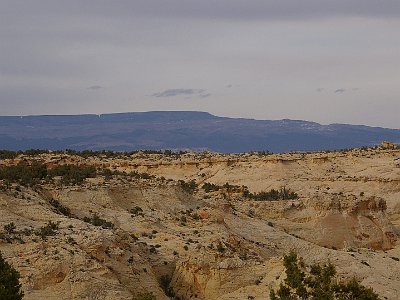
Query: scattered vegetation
[
  {"x": 97, "y": 221},
  {"x": 136, "y": 211},
  {"x": 31, "y": 174},
  {"x": 49, "y": 229},
  {"x": 61, "y": 209},
  {"x": 165, "y": 284},
  {"x": 231, "y": 187},
  {"x": 210, "y": 187},
  {"x": 9, "y": 154},
  {"x": 262, "y": 153},
  {"x": 10, "y": 288},
  {"x": 220, "y": 248},
  {"x": 144, "y": 296},
  {"x": 24, "y": 174},
  {"x": 5, "y": 154},
  {"x": 10, "y": 228},
  {"x": 317, "y": 282},
  {"x": 73, "y": 174},
  {"x": 189, "y": 187},
  {"x": 272, "y": 195}
]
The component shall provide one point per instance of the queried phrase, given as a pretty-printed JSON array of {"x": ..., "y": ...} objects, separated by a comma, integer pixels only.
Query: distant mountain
[{"x": 182, "y": 130}]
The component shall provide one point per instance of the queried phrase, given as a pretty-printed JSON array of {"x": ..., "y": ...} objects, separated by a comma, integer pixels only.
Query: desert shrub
[
  {"x": 73, "y": 174},
  {"x": 10, "y": 228},
  {"x": 100, "y": 153},
  {"x": 107, "y": 173},
  {"x": 189, "y": 187},
  {"x": 220, "y": 248},
  {"x": 48, "y": 230},
  {"x": 230, "y": 187},
  {"x": 263, "y": 153},
  {"x": 34, "y": 152},
  {"x": 317, "y": 282},
  {"x": 24, "y": 174},
  {"x": 97, "y": 221},
  {"x": 136, "y": 211},
  {"x": 60, "y": 208},
  {"x": 395, "y": 258},
  {"x": 10, "y": 288},
  {"x": 210, "y": 187},
  {"x": 144, "y": 296},
  {"x": 29, "y": 175},
  {"x": 6, "y": 154},
  {"x": 195, "y": 216},
  {"x": 138, "y": 175},
  {"x": 272, "y": 195},
  {"x": 165, "y": 282}
]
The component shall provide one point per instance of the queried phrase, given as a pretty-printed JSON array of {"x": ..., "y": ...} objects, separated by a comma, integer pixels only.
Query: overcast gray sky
[{"x": 330, "y": 61}]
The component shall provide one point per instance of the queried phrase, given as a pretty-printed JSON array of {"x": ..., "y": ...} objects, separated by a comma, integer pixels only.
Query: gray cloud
[
  {"x": 340, "y": 91},
  {"x": 274, "y": 52},
  {"x": 205, "y": 95},
  {"x": 95, "y": 87},
  {"x": 182, "y": 92},
  {"x": 207, "y": 9}
]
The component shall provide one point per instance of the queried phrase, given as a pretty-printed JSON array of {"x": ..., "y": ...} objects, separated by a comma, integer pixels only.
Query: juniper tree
[{"x": 10, "y": 288}]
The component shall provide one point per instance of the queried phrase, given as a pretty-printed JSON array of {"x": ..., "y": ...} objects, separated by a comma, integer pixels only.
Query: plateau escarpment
[{"x": 197, "y": 225}]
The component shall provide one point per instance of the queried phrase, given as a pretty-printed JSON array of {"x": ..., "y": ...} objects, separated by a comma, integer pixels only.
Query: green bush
[
  {"x": 5, "y": 154},
  {"x": 189, "y": 187},
  {"x": 73, "y": 174},
  {"x": 60, "y": 208},
  {"x": 165, "y": 282},
  {"x": 48, "y": 230},
  {"x": 136, "y": 211},
  {"x": 10, "y": 288},
  {"x": 24, "y": 174},
  {"x": 317, "y": 282},
  {"x": 29, "y": 175},
  {"x": 210, "y": 187},
  {"x": 97, "y": 221},
  {"x": 10, "y": 228},
  {"x": 230, "y": 187},
  {"x": 272, "y": 195}
]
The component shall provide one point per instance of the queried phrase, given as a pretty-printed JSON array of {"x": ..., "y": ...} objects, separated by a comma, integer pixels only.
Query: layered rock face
[
  {"x": 124, "y": 232},
  {"x": 342, "y": 222}
]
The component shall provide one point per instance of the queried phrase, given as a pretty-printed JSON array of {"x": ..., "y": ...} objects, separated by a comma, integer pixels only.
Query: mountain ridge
[{"x": 178, "y": 130}]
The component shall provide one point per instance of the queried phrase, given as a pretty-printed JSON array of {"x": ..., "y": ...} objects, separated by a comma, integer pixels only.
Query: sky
[{"x": 329, "y": 61}]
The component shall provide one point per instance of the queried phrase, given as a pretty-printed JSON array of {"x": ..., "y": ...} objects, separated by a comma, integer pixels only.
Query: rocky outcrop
[
  {"x": 341, "y": 222},
  {"x": 121, "y": 234},
  {"x": 213, "y": 278}
]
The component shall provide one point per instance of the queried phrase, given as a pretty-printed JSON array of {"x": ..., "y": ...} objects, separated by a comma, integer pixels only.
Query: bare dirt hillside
[{"x": 197, "y": 225}]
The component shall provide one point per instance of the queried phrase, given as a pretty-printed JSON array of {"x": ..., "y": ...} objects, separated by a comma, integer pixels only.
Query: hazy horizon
[{"x": 320, "y": 61}]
